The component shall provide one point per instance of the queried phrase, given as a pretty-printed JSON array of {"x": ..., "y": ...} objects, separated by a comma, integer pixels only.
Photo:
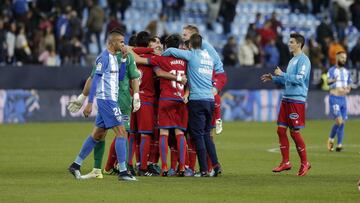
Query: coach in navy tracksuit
[{"x": 201, "y": 100}]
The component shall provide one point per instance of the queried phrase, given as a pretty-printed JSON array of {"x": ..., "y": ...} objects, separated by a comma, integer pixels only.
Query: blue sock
[
  {"x": 120, "y": 148},
  {"x": 86, "y": 148},
  {"x": 340, "y": 134},
  {"x": 333, "y": 131}
]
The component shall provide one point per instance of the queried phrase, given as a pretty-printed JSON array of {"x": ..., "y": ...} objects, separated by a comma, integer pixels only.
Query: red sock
[
  {"x": 144, "y": 151},
  {"x": 192, "y": 154},
  {"x": 137, "y": 151},
  {"x": 163, "y": 148},
  {"x": 154, "y": 149},
  {"x": 181, "y": 146},
  {"x": 112, "y": 158},
  {"x": 284, "y": 144},
  {"x": 300, "y": 145},
  {"x": 173, "y": 157},
  {"x": 132, "y": 148}
]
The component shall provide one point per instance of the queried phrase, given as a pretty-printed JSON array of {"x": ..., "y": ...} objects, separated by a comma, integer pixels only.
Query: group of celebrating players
[
  {"x": 173, "y": 103},
  {"x": 152, "y": 95}
]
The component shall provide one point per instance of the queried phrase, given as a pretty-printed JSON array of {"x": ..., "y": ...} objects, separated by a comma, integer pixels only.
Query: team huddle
[
  {"x": 167, "y": 95},
  {"x": 157, "y": 97}
]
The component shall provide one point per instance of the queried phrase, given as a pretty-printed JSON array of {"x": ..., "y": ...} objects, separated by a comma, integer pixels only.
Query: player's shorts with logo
[
  {"x": 142, "y": 121},
  {"x": 172, "y": 114},
  {"x": 109, "y": 114},
  {"x": 337, "y": 105},
  {"x": 292, "y": 113},
  {"x": 217, "y": 111}
]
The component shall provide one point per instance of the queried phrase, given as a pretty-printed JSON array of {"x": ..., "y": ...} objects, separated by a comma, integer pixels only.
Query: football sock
[
  {"x": 111, "y": 156},
  {"x": 132, "y": 148},
  {"x": 120, "y": 147},
  {"x": 300, "y": 145},
  {"x": 86, "y": 148},
  {"x": 192, "y": 154},
  {"x": 154, "y": 150},
  {"x": 144, "y": 151},
  {"x": 340, "y": 134},
  {"x": 99, "y": 153},
  {"x": 181, "y": 146},
  {"x": 334, "y": 130},
  {"x": 163, "y": 151},
  {"x": 284, "y": 144},
  {"x": 137, "y": 152},
  {"x": 173, "y": 157}
]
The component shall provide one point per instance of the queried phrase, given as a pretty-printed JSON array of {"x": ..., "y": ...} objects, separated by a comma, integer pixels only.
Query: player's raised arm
[
  {"x": 178, "y": 53},
  {"x": 163, "y": 74}
]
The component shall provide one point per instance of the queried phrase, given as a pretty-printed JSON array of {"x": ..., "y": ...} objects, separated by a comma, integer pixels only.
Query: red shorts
[
  {"x": 217, "y": 111},
  {"x": 172, "y": 114},
  {"x": 142, "y": 121},
  {"x": 292, "y": 113}
]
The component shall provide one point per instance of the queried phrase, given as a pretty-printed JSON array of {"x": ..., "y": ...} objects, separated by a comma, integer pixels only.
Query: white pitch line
[{"x": 276, "y": 150}]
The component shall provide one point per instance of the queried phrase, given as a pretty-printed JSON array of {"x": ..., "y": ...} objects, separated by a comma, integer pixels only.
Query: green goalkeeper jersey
[{"x": 124, "y": 98}]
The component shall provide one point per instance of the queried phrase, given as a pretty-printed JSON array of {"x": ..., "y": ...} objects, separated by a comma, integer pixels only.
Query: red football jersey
[
  {"x": 147, "y": 80},
  {"x": 170, "y": 90}
]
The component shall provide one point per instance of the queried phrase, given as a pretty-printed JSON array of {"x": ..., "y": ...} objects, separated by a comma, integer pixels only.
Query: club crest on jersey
[
  {"x": 294, "y": 116},
  {"x": 98, "y": 67}
]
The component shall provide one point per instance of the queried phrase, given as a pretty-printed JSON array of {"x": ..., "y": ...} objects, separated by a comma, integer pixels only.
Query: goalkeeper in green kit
[{"x": 124, "y": 101}]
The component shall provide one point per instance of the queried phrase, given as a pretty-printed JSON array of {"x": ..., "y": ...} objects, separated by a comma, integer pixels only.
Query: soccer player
[
  {"x": 172, "y": 112},
  {"x": 292, "y": 109},
  {"x": 339, "y": 80},
  {"x": 143, "y": 121},
  {"x": 201, "y": 100},
  {"x": 219, "y": 78},
  {"x": 104, "y": 87}
]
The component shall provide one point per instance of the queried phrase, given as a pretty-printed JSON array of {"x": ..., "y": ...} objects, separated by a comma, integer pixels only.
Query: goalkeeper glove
[
  {"x": 136, "y": 102},
  {"x": 75, "y": 105}
]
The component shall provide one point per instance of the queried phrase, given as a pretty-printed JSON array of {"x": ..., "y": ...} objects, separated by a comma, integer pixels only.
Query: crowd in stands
[{"x": 55, "y": 33}]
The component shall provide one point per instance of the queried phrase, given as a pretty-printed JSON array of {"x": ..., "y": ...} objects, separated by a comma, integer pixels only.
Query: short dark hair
[
  {"x": 195, "y": 41},
  {"x": 298, "y": 38},
  {"x": 116, "y": 31},
  {"x": 132, "y": 40},
  {"x": 143, "y": 39},
  {"x": 173, "y": 40},
  {"x": 153, "y": 38}
]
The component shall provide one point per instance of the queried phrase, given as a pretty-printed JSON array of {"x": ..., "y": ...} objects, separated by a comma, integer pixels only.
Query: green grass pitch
[{"x": 34, "y": 160}]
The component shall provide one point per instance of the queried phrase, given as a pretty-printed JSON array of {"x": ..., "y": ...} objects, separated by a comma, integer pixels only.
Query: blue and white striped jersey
[
  {"x": 107, "y": 67},
  {"x": 342, "y": 76}
]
